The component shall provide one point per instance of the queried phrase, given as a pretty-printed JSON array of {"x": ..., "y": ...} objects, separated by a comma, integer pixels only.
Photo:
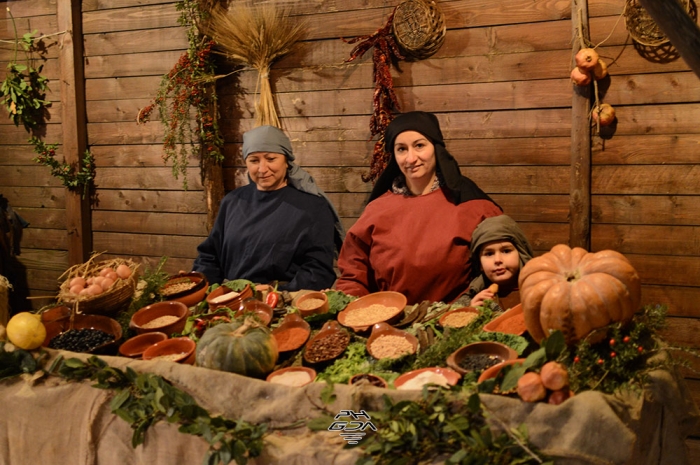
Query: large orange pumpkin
[{"x": 577, "y": 292}]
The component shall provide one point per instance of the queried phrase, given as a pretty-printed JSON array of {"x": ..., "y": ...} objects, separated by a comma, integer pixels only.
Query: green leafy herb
[
  {"x": 71, "y": 178},
  {"x": 238, "y": 285},
  {"x": 16, "y": 362}
]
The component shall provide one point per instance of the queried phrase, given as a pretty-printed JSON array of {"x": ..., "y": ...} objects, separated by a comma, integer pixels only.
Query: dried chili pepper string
[{"x": 384, "y": 98}]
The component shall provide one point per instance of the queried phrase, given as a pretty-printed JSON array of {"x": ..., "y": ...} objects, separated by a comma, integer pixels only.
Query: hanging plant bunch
[
  {"x": 73, "y": 178},
  {"x": 256, "y": 36},
  {"x": 384, "y": 101},
  {"x": 189, "y": 85}
]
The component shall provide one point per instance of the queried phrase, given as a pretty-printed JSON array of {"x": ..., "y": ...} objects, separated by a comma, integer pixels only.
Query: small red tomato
[
  {"x": 612, "y": 342},
  {"x": 577, "y": 359},
  {"x": 600, "y": 361},
  {"x": 640, "y": 349},
  {"x": 626, "y": 339},
  {"x": 612, "y": 354}
]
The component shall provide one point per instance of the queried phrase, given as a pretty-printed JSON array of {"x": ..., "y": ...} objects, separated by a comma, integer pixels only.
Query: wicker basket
[
  {"x": 116, "y": 299},
  {"x": 419, "y": 28},
  {"x": 642, "y": 27}
]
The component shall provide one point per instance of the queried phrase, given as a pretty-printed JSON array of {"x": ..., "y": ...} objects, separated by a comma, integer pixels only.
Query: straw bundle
[
  {"x": 255, "y": 36},
  {"x": 110, "y": 302}
]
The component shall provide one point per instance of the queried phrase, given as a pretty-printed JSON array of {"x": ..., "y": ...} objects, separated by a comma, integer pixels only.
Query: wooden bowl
[
  {"x": 494, "y": 349},
  {"x": 367, "y": 378},
  {"x": 191, "y": 296},
  {"x": 329, "y": 330},
  {"x": 292, "y": 333},
  {"x": 179, "y": 350},
  {"x": 134, "y": 347},
  {"x": 310, "y": 308},
  {"x": 444, "y": 319},
  {"x": 509, "y": 322},
  {"x": 306, "y": 370},
  {"x": 381, "y": 330},
  {"x": 385, "y": 298},
  {"x": 493, "y": 371},
  {"x": 216, "y": 298},
  {"x": 169, "y": 308},
  {"x": 99, "y": 322},
  {"x": 451, "y": 376},
  {"x": 260, "y": 309}
]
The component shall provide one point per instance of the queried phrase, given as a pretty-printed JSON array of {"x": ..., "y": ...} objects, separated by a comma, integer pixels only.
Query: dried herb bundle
[{"x": 256, "y": 36}]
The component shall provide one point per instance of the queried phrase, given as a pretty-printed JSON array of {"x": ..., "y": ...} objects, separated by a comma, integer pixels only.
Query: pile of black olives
[{"x": 80, "y": 340}]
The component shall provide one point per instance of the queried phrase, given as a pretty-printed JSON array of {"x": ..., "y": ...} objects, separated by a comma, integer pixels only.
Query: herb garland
[{"x": 79, "y": 178}]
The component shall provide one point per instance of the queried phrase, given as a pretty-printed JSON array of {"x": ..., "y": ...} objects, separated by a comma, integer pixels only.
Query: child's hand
[{"x": 488, "y": 293}]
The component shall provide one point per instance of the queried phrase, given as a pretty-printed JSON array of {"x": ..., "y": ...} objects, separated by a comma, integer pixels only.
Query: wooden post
[
  {"x": 580, "y": 178},
  {"x": 72, "y": 85},
  {"x": 679, "y": 27}
]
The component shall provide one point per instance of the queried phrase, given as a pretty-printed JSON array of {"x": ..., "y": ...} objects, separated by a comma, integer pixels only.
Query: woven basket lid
[
  {"x": 642, "y": 27},
  {"x": 419, "y": 28}
]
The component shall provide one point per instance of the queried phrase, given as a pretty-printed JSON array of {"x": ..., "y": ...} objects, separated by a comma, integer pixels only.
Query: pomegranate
[
  {"x": 586, "y": 59},
  {"x": 604, "y": 114},
  {"x": 600, "y": 70},
  {"x": 580, "y": 78}
]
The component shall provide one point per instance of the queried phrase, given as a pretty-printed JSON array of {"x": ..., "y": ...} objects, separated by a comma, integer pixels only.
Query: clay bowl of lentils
[
  {"x": 361, "y": 314},
  {"x": 93, "y": 334},
  {"x": 188, "y": 288},
  {"x": 389, "y": 342},
  {"x": 459, "y": 317},
  {"x": 479, "y": 356},
  {"x": 165, "y": 317},
  {"x": 326, "y": 345}
]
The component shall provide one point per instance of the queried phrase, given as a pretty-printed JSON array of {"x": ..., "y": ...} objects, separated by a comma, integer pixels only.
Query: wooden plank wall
[{"x": 499, "y": 85}]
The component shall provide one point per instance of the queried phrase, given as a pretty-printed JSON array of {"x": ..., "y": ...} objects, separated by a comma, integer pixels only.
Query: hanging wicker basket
[
  {"x": 419, "y": 28},
  {"x": 642, "y": 27}
]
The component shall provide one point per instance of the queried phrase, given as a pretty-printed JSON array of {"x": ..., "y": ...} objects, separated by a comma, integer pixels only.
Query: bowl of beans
[
  {"x": 178, "y": 350},
  {"x": 479, "y": 356},
  {"x": 371, "y": 309},
  {"x": 188, "y": 288},
  {"x": 84, "y": 333},
  {"x": 311, "y": 303},
  {"x": 389, "y": 342},
  {"x": 459, "y": 317},
  {"x": 326, "y": 345},
  {"x": 166, "y": 317}
]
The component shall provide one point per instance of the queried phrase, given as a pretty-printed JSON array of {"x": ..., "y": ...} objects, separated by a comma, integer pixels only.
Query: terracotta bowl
[
  {"x": 493, "y": 371},
  {"x": 100, "y": 322},
  {"x": 135, "y": 346},
  {"x": 191, "y": 296},
  {"x": 309, "y": 309},
  {"x": 451, "y": 376},
  {"x": 457, "y": 312},
  {"x": 55, "y": 313},
  {"x": 386, "y": 298},
  {"x": 260, "y": 309},
  {"x": 181, "y": 349},
  {"x": 309, "y": 371},
  {"x": 510, "y": 322},
  {"x": 216, "y": 298},
  {"x": 368, "y": 379},
  {"x": 382, "y": 330},
  {"x": 292, "y": 333},
  {"x": 330, "y": 329},
  {"x": 169, "y": 308},
  {"x": 495, "y": 349}
]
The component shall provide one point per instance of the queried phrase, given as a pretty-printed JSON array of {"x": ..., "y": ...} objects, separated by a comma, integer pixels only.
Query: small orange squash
[{"x": 577, "y": 292}]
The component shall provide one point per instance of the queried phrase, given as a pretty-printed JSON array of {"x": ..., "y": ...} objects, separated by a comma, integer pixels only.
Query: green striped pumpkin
[{"x": 242, "y": 346}]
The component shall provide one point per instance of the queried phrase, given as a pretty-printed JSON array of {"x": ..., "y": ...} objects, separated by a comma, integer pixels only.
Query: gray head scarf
[{"x": 272, "y": 139}]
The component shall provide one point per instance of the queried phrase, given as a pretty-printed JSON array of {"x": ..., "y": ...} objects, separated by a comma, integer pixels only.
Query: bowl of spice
[
  {"x": 224, "y": 296},
  {"x": 416, "y": 379},
  {"x": 371, "y": 309},
  {"x": 292, "y": 333},
  {"x": 328, "y": 344},
  {"x": 260, "y": 310},
  {"x": 134, "y": 347},
  {"x": 362, "y": 379},
  {"x": 188, "y": 288},
  {"x": 292, "y": 376},
  {"x": 166, "y": 317},
  {"x": 84, "y": 333},
  {"x": 511, "y": 322},
  {"x": 459, "y": 317},
  {"x": 311, "y": 303},
  {"x": 178, "y": 349},
  {"x": 389, "y": 342},
  {"x": 479, "y": 356}
]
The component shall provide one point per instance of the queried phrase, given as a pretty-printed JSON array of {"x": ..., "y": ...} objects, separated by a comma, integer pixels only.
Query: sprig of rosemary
[{"x": 73, "y": 179}]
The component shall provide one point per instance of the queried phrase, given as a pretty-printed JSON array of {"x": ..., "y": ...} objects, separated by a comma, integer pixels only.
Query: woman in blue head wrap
[{"x": 280, "y": 227}]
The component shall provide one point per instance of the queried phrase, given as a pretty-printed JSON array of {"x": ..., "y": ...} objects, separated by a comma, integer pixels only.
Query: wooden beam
[
  {"x": 72, "y": 85},
  {"x": 679, "y": 27},
  {"x": 580, "y": 176}
]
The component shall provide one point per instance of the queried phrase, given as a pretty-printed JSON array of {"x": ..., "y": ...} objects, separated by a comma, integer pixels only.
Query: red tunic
[{"x": 418, "y": 246}]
